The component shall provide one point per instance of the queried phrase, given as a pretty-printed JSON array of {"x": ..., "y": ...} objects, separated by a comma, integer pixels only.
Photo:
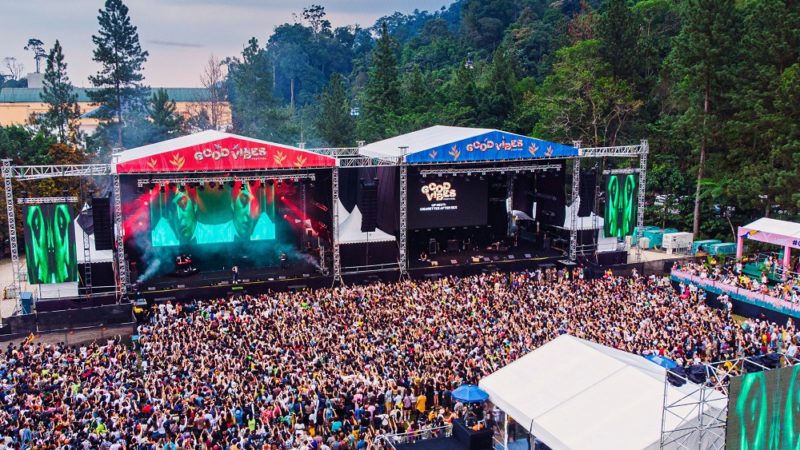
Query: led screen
[
  {"x": 447, "y": 202},
  {"x": 621, "y": 205},
  {"x": 764, "y": 410},
  {"x": 50, "y": 244},
  {"x": 215, "y": 214}
]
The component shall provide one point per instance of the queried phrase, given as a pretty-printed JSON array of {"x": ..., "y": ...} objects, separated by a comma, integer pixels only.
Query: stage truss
[
  {"x": 624, "y": 151},
  {"x": 708, "y": 402},
  {"x": 346, "y": 157}
]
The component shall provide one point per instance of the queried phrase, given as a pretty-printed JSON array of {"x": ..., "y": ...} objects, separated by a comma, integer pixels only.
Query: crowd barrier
[{"x": 740, "y": 294}]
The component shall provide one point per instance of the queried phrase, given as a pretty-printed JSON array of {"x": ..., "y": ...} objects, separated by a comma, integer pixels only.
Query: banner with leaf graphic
[
  {"x": 217, "y": 152},
  {"x": 493, "y": 146}
]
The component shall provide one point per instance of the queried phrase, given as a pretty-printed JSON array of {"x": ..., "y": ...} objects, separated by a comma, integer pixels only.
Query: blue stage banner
[{"x": 493, "y": 146}]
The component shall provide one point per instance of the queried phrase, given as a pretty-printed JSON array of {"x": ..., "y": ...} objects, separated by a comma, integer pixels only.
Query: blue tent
[
  {"x": 662, "y": 361},
  {"x": 469, "y": 393},
  {"x": 442, "y": 144}
]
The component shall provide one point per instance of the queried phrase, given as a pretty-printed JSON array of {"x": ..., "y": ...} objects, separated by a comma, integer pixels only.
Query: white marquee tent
[
  {"x": 575, "y": 394},
  {"x": 350, "y": 228}
]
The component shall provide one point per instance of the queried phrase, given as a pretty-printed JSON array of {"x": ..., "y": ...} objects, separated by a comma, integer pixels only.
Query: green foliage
[
  {"x": 122, "y": 59},
  {"x": 166, "y": 123},
  {"x": 334, "y": 123},
  {"x": 582, "y": 100},
  {"x": 63, "y": 112},
  {"x": 617, "y": 31},
  {"x": 710, "y": 77},
  {"x": 702, "y": 62},
  {"x": 381, "y": 100},
  {"x": 255, "y": 110}
]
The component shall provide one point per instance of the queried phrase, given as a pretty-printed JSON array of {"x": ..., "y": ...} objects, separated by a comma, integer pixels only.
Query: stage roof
[
  {"x": 575, "y": 394},
  {"x": 443, "y": 144},
  {"x": 772, "y": 231},
  {"x": 209, "y": 151}
]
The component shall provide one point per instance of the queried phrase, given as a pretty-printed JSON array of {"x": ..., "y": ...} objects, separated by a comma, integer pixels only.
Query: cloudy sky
[{"x": 179, "y": 34}]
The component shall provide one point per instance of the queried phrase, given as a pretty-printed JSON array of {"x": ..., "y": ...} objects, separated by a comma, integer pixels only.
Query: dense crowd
[
  {"x": 771, "y": 281},
  {"x": 330, "y": 369}
]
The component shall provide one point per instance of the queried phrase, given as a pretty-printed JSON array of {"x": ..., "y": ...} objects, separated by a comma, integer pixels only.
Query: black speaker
[
  {"x": 587, "y": 192},
  {"x": 676, "y": 376},
  {"x": 103, "y": 229},
  {"x": 697, "y": 373},
  {"x": 368, "y": 204}
]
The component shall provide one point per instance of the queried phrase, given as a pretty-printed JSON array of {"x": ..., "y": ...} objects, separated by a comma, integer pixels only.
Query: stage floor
[
  {"x": 258, "y": 280},
  {"x": 483, "y": 256}
]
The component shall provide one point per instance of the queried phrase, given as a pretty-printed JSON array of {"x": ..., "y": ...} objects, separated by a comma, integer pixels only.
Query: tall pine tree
[
  {"x": 255, "y": 110},
  {"x": 163, "y": 115},
  {"x": 119, "y": 80},
  {"x": 63, "y": 113},
  {"x": 702, "y": 60},
  {"x": 382, "y": 100},
  {"x": 334, "y": 123}
]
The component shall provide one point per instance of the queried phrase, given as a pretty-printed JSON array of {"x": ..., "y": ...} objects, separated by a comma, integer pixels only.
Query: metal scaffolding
[
  {"x": 576, "y": 192},
  {"x": 224, "y": 179},
  {"x": 46, "y": 200},
  {"x": 119, "y": 238},
  {"x": 702, "y": 412},
  {"x": 43, "y": 172},
  {"x": 337, "y": 257},
  {"x": 403, "y": 232},
  {"x": 624, "y": 151},
  {"x": 348, "y": 157},
  {"x": 12, "y": 229}
]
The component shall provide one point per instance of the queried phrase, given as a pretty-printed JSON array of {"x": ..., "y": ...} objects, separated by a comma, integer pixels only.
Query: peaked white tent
[
  {"x": 418, "y": 141},
  {"x": 350, "y": 228},
  {"x": 574, "y": 394}
]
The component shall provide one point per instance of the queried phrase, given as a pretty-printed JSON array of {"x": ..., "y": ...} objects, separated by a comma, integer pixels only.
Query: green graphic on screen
[
  {"x": 50, "y": 244},
  {"x": 764, "y": 411},
  {"x": 243, "y": 212},
  {"x": 621, "y": 205}
]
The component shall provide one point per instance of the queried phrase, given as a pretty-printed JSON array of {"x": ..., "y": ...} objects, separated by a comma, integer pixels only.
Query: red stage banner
[{"x": 219, "y": 155}]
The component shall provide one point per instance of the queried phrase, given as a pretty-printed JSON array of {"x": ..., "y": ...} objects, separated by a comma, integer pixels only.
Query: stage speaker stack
[
  {"x": 103, "y": 229},
  {"x": 368, "y": 204}
]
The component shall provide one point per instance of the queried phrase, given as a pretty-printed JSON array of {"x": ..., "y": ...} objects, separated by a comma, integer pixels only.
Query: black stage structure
[{"x": 385, "y": 237}]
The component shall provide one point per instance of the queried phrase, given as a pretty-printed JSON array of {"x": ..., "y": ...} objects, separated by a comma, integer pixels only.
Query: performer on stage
[
  {"x": 235, "y": 274},
  {"x": 284, "y": 261}
]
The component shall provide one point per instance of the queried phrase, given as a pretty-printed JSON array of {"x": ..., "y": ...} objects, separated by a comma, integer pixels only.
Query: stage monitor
[
  {"x": 622, "y": 192},
  {"x": 212, "y": 214},
  {"x": 447, "y": 202},
  {"x": 50, "y": 244},
  {"x": 764, "y": 410}
]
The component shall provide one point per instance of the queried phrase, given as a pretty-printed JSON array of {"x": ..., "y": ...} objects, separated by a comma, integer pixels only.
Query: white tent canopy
[
  {"x": 574, "y": 394},
  {"x": 350, "y": 228},
  {"x": 419, "y": 141},
  {"x": 774, "y": 226}
]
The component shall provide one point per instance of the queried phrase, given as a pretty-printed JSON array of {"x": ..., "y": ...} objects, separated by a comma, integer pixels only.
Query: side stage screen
[{"x": 447, "y": 202}]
